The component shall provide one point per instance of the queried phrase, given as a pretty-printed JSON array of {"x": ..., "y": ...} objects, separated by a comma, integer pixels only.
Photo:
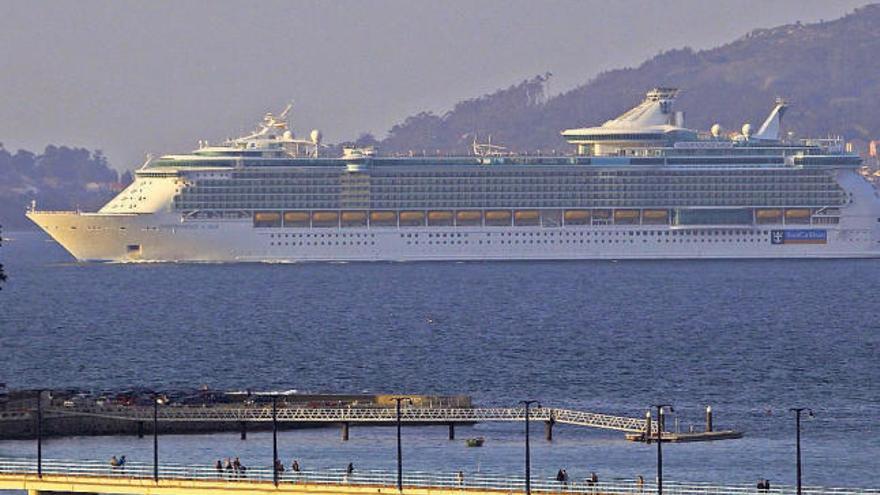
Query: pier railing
[{"x": 453, "y": 480}]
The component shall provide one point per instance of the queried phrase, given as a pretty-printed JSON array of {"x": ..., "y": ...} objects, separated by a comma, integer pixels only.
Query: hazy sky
[{"x": 133, "y": 77}]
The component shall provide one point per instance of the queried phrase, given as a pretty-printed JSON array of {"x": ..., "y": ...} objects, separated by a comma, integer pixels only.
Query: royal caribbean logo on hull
[{"x": 799, "y": 236}]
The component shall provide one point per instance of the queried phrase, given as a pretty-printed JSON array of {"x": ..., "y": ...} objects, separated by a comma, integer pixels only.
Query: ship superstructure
[{"x": 639, "y": 186}]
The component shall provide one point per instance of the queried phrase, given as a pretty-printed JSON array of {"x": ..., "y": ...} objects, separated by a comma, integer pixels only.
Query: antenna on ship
[
  {"x": 147, "y": 161},
  {"x": 286, "y": 111},
  {"x": 487, "y": 149}
]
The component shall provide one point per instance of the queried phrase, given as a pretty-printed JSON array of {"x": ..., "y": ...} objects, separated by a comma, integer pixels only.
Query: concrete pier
[{"x": 452, "y": 431}]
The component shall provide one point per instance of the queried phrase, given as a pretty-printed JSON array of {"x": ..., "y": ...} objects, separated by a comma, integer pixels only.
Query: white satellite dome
[
  {"x": 747, "y": 130},
  {"x": 288, "y": 135},
  {"x": 316, "y": 136},
  {"x": 716, "y": 130}
]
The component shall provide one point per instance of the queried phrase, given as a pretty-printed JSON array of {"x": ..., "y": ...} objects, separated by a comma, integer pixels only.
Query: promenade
[{"x": 140, "y": 479}]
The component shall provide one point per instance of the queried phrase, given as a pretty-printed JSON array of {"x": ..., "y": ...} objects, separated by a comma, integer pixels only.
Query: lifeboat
[
  {"x": 797, "y": 213},
  {"x": 325, "y": 217},
  {"x": 296, "y": 216},
  {"x": 267, "y": 217},
  {"x": 576, "y": 217},
  {"x": 468, "y": 217},
  {"x": 602, "y": 214},
  {"x": 354, "y": 216},
  {"x": 498, "y": 217},
  {"x": 626, "y": 216},
  {"x": 440, "y": 218},
  {"x": 296, "y": 219},
  {"x": 383, "y": 217},
  {"x": 412, "y": 217},
  {"x": 526, "y": 217},
  {"x": 768, "y": 215},
  {"x": 655, "y": 216}
]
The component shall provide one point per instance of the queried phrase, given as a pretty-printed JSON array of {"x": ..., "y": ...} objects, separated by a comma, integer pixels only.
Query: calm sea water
[{"x": 750, "y": 338}]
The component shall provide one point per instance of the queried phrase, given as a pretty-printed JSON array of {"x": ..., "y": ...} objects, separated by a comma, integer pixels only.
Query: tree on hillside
[
  {"x": 729, "y": 85},
  {"x": 59, "y": 178},
  {"x": 2, "y": 274}
]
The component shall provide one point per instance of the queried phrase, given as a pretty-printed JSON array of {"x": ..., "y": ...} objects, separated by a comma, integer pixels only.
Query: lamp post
[
  {"x": 398, "y": 400},
  {"x": 39, "y": 433},
  {"x": 275, "y": 439},
  {"x": 797, "y": 413},
  {"x": 528, "y": 403},
  {"x": 156, "y": 438},
  {"x": 660, "y": 425}
]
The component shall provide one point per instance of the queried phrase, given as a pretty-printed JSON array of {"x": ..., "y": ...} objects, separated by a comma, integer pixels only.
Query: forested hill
[
  {"x": 827, "y": 70},
  {"x": 59, "y": 178}
]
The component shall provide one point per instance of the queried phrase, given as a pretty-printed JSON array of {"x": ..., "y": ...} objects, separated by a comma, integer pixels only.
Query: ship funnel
[
  {"x": 679, "y": 119},
  {"x": 771, "y": 127}
]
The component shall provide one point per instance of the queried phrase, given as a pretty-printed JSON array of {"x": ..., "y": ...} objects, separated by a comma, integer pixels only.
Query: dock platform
[{"x": 698, "y": 436}]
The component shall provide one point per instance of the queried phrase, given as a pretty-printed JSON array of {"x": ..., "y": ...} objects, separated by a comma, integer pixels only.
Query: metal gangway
[{"x": 179, "y": 479}]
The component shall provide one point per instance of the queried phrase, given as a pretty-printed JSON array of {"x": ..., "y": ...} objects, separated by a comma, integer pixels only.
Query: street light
[
  {"x": 156, "y": 437},
  {"x": 275, "y": 439},
  {"x": 527, "y": 403},
  {"x": 39, "y": 433},
  {"x": 398, "y": 400},
  {"x": 797, "y": 411},
  {"x": 660, "y": 444}
]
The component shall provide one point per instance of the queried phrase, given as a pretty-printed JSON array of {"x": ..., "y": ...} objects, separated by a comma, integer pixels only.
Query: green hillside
[{"x": 827, "y": 70}]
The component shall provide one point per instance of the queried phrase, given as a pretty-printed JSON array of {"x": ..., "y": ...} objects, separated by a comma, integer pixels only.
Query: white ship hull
[
  {"x": 642, "y": 187},
  {"x": 166, "y": 238}
]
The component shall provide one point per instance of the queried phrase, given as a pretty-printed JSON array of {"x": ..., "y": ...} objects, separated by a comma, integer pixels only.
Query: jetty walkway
[
  {"x": 367, "y": 415},
  {"x": 138, "y": 479},
  {"x": 346, "y": 416}
]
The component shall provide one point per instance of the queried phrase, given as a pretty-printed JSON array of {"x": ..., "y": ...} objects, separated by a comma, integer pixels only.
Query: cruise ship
[{"x": 640, "y": 186}]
